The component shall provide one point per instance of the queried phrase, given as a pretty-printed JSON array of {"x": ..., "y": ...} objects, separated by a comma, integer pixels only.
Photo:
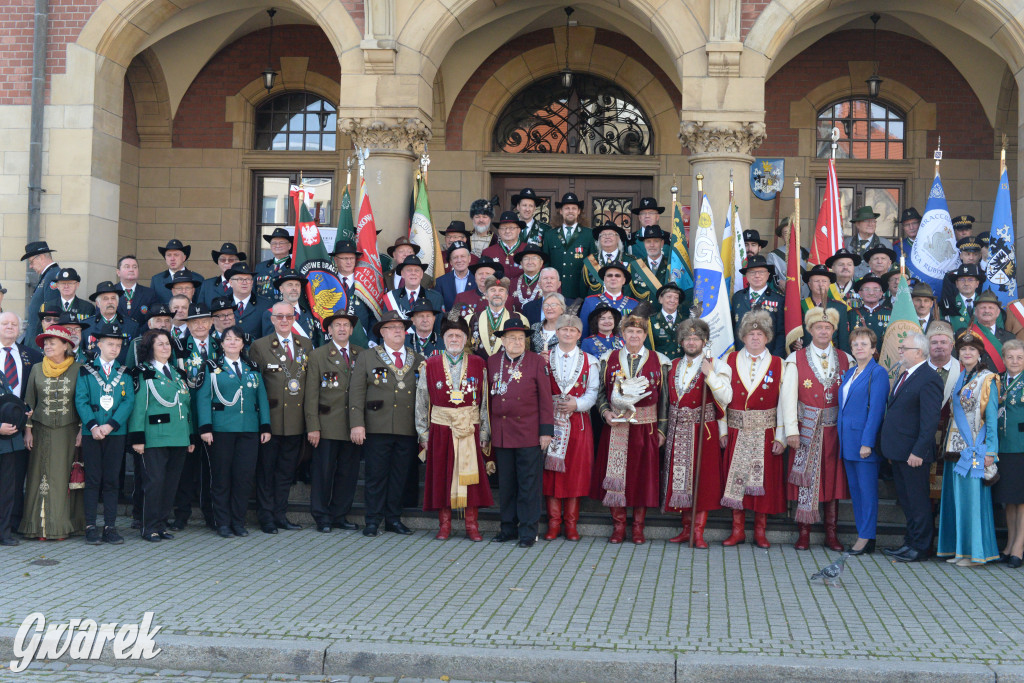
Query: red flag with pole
[
  {"x": 828, "y": 229},
  {"x": 369, "y": 276},
  {"x": 794, "y": 317}
]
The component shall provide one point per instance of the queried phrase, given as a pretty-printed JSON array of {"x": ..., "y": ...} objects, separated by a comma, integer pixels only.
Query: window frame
[
  {"x": 267, "y": 108},
  {"x": 893, "y": 115}
]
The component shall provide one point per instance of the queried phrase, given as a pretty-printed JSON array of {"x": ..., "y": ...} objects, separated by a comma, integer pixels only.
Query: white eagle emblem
[{"x": 310, "y": 235}]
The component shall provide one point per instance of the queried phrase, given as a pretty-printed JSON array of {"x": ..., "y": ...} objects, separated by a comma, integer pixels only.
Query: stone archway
[{"x": 152, "y": 103}]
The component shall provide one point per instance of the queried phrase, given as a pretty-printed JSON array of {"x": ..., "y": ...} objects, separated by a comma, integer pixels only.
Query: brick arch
[{"x": 530, "y": 57}]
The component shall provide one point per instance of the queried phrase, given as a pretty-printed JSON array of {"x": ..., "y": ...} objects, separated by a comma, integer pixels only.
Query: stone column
[
  {"x": 716, "y": 147},
  {"x": 394, "y": 146}
]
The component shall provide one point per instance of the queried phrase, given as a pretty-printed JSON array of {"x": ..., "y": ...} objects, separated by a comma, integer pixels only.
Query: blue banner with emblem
[
  {"x": 767, "y": 177},
  {"x": 1001, "y": 272},
  {"x": 324, "y": 288}
]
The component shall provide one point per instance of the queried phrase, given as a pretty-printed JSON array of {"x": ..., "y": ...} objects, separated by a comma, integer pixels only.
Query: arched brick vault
[
  {"x": 532, "y": 56},
  {"x": 152, "y": 112}
]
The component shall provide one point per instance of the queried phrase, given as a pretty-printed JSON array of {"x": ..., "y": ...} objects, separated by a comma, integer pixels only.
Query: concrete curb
[{"x": 758, "y": 668}]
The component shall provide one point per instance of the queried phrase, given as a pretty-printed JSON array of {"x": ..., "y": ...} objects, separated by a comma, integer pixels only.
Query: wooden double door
[{"x": 605, "y": 198}]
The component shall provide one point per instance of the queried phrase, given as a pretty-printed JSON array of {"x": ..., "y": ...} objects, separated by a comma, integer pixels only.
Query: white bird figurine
[{"x": 832, "y": 574}]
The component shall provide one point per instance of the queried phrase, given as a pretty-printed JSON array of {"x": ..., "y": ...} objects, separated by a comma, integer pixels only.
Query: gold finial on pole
[
  {"x": 938, "y": 157},
  {"x": 700, "y": 192}
]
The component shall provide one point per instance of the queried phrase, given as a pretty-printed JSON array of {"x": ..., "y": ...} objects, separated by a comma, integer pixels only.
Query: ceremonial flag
[
  {"x": 793, "y": 318},
  {"x": 935, "y": 253},
  {"x": 734, "y": 252},
  {"x": 682, "y": 271},
  {"x": 902, "y": 321},
  {"x": 828, "y": 229},
  {"x": 423, "y": 234},
  {"x": 369, "y": 277},
  {"x": 709, "y": 289},
  {"x": 324, "y": 289},
  {"x": 346, "y": 228},
  {"x": 1001, "y": 273}
]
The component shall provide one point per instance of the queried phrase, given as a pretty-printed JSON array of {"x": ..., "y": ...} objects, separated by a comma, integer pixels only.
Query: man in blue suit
[
  {"x": 38, "y": 256},
  {"x": 135, "y": 299},
  {"x": 459, "y": 279},
  {"x": 16, "y": 361},
  {"x": 907, "y": 440},
  {"x": 249, "y": 308},
  {"x": 175, "y": 255}
]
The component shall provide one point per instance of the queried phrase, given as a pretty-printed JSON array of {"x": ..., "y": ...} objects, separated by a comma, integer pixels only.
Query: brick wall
[
  {"x": 199, "y": 121},
  {"x": 749, "y": 12},
  {"x": 524, "y": 43},
  {"x": 961, "y": 121}
]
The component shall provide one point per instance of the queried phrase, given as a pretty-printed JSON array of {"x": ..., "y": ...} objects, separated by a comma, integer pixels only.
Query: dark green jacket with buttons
[
  {"x": 327, "y": 387},
  {"x": 153, "y": 424},
  {"x": 88, "y": 394},
  {"x": 231, "y": 411}
]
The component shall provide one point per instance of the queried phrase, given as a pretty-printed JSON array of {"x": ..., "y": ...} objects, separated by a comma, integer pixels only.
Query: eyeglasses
[
  {"x": 239, "y": 278},
  {"x": 283, "y": 316}
]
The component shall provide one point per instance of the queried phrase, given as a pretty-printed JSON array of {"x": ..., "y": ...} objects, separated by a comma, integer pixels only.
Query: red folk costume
[
  {"x": 500, "y": 252},
  {"x": 523, "y": 291}
]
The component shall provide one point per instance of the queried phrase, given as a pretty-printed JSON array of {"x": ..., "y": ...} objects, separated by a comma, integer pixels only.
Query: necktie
[
  {"x": 398, "y": 359},
  {"x": 671, "y": 319},
  {"x": 202, "y": 350},
  {"x": 241, "y": 307},
  {"x": 67, "y": 305},
  {"x": 238, "y": 370},
  {"x": 177, "y": 333},
  {"x": 167, "y": 371},
  {"x": 344, "y": 354},
  {"x": 10, "y": 369},
  {"x": 129, "y": 293},
  {"x": 944, "y": 374},
  {"x": 754, "y": 299},
  {"x": 288, "y": 349},
  {"x": 899, "y": 384}
]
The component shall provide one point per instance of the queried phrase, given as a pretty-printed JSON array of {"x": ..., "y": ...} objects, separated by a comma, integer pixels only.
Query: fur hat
[
  {"x": 693, "y": 326},
  {"x": 496, "y": 282},
  {"x": 757, "y": 320},
  {"x": 817, "y": 314}
]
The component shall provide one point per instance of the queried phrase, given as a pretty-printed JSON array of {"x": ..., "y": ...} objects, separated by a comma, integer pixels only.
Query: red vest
[{"x": 765, "y": 395}]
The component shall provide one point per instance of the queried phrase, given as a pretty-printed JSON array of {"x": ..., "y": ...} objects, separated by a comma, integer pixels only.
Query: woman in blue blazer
[{"x": 862, "y": 397}]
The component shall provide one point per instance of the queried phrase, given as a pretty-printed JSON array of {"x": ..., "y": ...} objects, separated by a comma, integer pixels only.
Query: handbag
[
  {"x": 77, "y": 478},
  {"x": 991, "y": 475}
]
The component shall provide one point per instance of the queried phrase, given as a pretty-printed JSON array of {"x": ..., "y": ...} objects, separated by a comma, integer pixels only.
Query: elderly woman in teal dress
[{"x": 967, "y": 535}]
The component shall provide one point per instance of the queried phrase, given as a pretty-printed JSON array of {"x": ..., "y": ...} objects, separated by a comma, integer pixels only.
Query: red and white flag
[
  {"x": 369, "y": 276},
  {"x": 828, "y": 229}
]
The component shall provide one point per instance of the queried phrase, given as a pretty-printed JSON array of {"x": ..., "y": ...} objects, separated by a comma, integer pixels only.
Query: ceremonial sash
[
  {"x": 651, "y": 280},
  {"x": 592, "y": 273},
  {"x": 554, "y": 458},
  {"x": 993, "y": 346},
  {"x": 466, "y": 471},
  {"x": 806, "y": 472},
  {"x": 1017, "y": 311},
  {"x": 746, "y": 473}
]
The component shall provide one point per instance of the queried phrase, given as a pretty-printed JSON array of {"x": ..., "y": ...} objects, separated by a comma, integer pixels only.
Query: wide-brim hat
[
  {"x": 605, "y": 228},
  {"x": 754, "y": 236},
  {"x": 227, "y": 248},
  {"x": 512, "y": 325},
  {"x": 569, "y": 198},
  {"x": 968, "y": 270},
  {"x": 55, "y": 332},
  {"x": 390, "y": 317},
  {"x": 279, "y": 233},
  {"x": 864, "y": 213},
  {"x": 818, "y": 269},
  {"x": 459, "y": 324},
  {"x": 286, "y": 274},
  {"x": 345, "y": 247},
  {"x": 455, "y": 228},
  {"x": 162, "y": 311},
  {"x": 510, "y": 217},
  {"x": 528, "y": 193},
  {"x": 410, "y": 261},
  {"x": 403, "y": 241},
  {"x": 106, "y": 287},
  {"x": 423, "y": 306},
  {"x": 35, "y": 249},
  {"x": 817, "y": 314},
  {"x": 353, "y": 320},
  {"x": 647, "y": 203},
  {"x": 185, "y": 277},
  {"x": 922, "y": 290},
  {"x": 68, "y": 275},
  {"x": 758, "y": 261},
  {"x": 108, "y": 330},
  {"x": 969, "y": 337},
  {"x": 197, "y": 311},
  {"x": 987, "y": 297},
  {"x": 842, "y": 253},
  {"x": 530, "y": 250},
  {"x": 488, "y": 262},
  {"x": 13, "y": 411},
  {"x": 669, "y": 287},
  {"x": 910, "y": 214},
  {"x": 963, "y": 222},
  {"x": 455, "y": 246},
  {"x": 866, "y": 279},
  {"x": 239, "y": 268},
  {"x": 651, "y": 232},
  {"x": 880, "y": 250},
  {"x": 602, "y": 308},
  {"x": 614, "y": 265},
  {"x": 176, "y": 244}
]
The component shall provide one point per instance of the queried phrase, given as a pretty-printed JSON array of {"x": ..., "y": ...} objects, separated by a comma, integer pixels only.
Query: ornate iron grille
[
  {"x": 614, "y": 209},
  {"x": 593, "y": 116}
]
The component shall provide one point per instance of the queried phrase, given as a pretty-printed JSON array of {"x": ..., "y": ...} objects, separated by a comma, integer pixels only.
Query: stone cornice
[
  {"x": 729, "y": 137},
  {"x": 392, "y": 134}
]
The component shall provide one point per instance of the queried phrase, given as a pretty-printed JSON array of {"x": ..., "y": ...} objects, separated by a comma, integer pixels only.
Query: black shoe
[
  {"x": 1015, "y": 562},
  {"x": 268, "y": 528},
  {"x": 224, "y": 531},
  {"x": 153, "y": 537},
  {"x": 92, "y": 536},
  {"x": 890, "y": 552},
  {"x": 136, "y": 524},
  {"x": 177, "y": 526},
  {"x": 9, "y": 541},
  {"x": 526, "y": 543},
  {"x": 240, "y": 531},
  {"x": 211, "y": 525},
  {"x": 167, "y": 535},
  {"x": 1003, "y": 558},
  {"x": 288, "y": 526},
  {"x": 868, "y": 549},
  {"x": 323, "y": 528},
  {"x": 111, "y": 536},
  {"x": 371, "y": 530},
  {"x": 910, "y": 555},
  {"x": 502, "y": 537},
  {"x": 397, "y": 527},
  {"x": 346, "y": 525}
]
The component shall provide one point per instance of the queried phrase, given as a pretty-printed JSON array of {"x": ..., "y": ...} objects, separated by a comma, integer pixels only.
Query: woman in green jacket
[
  {"x": 234, "y": 417},
  {"x": 160, "y": 430}
]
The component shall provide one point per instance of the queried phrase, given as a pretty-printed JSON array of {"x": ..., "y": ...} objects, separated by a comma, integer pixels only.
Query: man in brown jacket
[
  {"x": 281, "y": 358},
  {"x": 382, "y": 407},
  {"x": 335, "y": 466}
]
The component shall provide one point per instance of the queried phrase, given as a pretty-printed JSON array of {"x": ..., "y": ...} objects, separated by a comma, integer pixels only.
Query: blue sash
[{"x": 972, "y": 458}]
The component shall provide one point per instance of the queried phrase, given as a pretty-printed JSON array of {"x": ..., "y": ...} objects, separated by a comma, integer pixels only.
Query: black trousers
[
  {"x": 387, "y": 466},
  {"x": 912, "y": 494},
  {"x": 138, "y": 485},
  {"x": 275, "y": 473},
  {"x": 18, "y": 479},
  {"x": 520, "y": 479},
  {"x": 233, "y": 458},
  {"x": 7, "y": 488},
  {"x": 194, "y": 485},
  {"x": 163, "y": 469},
  {"x": 333, "y": 472},
  {"x": 102, "y": 460}
]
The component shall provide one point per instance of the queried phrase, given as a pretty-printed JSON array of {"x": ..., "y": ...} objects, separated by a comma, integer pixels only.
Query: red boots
[
  {"x": 831, "y": 520},
  {"x": 572, "y": 516},
  {"x": 472, "y": 525},
  {"x": 618, "y": 525},
  {"x": 803, "y": 542},
  {"x": 639, "y": 515},
  {"x": 739, "y": 529},
  {"x": 444, "y": 516},
  {"x": 683, "y": 537},
  {"x": 554, "y": 518},
  {"x": 700, "y": 520},
  {"x": 760, "y": 525}
]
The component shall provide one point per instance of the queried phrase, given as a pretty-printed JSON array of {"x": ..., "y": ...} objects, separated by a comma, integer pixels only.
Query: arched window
[
  {"x": 867, "y": 130},
  {"x": 296, "y": 122},
  {"x": 593, "y": 116}
]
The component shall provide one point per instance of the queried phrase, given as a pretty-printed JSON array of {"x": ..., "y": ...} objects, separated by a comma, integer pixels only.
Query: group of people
[{"x": 553, "y": 363}]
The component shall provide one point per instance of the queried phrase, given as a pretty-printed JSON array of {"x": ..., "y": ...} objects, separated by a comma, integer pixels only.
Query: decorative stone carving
[
  {"x": 379, "y": 45},
  {"x": 399, "y": 135},
  {"x": 728, "y": 137}
]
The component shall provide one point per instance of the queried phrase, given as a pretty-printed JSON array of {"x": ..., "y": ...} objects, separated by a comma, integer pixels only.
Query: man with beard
[
  {"x": 569, "y": 245},
  {"x": 486, "y": 325},
  {"x": 526, "y": 204},
  {"x": 481, "y": 213}
]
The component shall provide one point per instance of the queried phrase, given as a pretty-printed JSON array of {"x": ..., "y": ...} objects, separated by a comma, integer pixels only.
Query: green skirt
[{"x": 51, "y": 510}]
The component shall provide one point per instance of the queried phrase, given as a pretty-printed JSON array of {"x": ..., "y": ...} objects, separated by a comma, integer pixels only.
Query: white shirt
[
  {"x": 909, "y": 371},
  {"x": 341, "y": 348},
  {"x": 412, "y": 294},
  {"x": 653, "y": 264},
  {"x": 128, "y": 290},
  {"x": 242, "y": 301},
  {"x": 291, "y": 342},
  {"x": 347, "y": 281},
  {"x": 391, "y": 354},
  {"x": 17, "y": 364},
  {"x": 160, "y": 367},
  {"x": 106, "y": 366},
  {"x": 670, "y": 317},
  {"x": 607, "y": 256},
  {"x": 563, "y": 367},
  {"x": 181, "y": 331},
  {"x": 948, "y": 366},
  {"x": 569, "y": 230},
  {"x": 203, "y": 345},
  {"x": 758, "y": 292}
]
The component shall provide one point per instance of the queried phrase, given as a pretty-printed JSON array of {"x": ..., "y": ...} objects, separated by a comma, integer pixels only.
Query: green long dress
[{"x": 51, "y": 509}]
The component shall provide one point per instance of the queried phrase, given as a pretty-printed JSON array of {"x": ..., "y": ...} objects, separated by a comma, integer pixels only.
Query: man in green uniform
[
  {"x": 568, "y": 246},
  {"x": 611, "y": 248},
  {"x": 662, "y": 326},
  {"x": 872, "y": 312},
  {"x": 653, "y": 269},
  {"x": 959, "y": 309},
  {"x": 526, "y": 204}
]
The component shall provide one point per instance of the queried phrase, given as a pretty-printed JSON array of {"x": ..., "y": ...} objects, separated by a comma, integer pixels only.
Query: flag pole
[
  {"x": 938, "y": 157},
  {"x": 732, "y": 212},
  {"x": 700, "y": 193},
  {"x": 1002, "y": 157},
  {"x": 705, "y": 355}
]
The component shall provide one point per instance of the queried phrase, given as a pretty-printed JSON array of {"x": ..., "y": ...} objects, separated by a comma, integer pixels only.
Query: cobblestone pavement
[{"x": 558, "y": 595}]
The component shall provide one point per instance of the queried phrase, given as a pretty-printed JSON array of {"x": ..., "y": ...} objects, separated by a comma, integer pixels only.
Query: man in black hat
[
  {"x": 290, "y": 285},
  {"x": 135, "y": 299},
  {"x": 653, "y": 269},
  {"x": 873, "y": 312},
  {"x": 526, "y": 204},
  {"x": 569, "y": 245},
  {"x": 879, "y": 260},
  {"x": 614, "y": 278},
  {"x": 402, "y": 249},
  {"x": 963, "y": 226},
  {"x": 910, "y": 223},
  {"x": 66, "y": 283},
  {"x": 864, "y": 222},
  {"x": 458, "y": 278},
  {"x": 382, "y": 405},
  {"x": 844, "y": 263},
  {"x": 223, "y": 313},
  {"x": 403, "y": 299},
  {"x": 16, "y": 361},
  {"x": 525, "y": 287},
  {"x": 757, "y": 295},
  {"x": 346, "y": 257},
  {"x": 611, "y": 248},
  {"x": 648, "y": 214},
  {"x": 473, "y": 299},
  {"x": 183, "y": 284},
  {"x": 280, "y": 241},
  {"x": 334, "y": 469},
  {"x": 106, "y": 298},
  {"x": 663, "y": 325},
  {"x": 249, "y": 308},
  {"x": 510, "y": 242},
  {"x": 212, "y": 287},
  {"x": 970, "y": 255},
  {"x": 819, "y": 281},
  {"x": 175, "y": 255},
  {"x": 481, "y": 213},
  {"x": 753, "y": 243},
  {"x": 455, "y": 233},
  {"x": 39, "y": 260},
  {"x": 422, "y": 337},
  {"x": 958, "y": 308}
]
